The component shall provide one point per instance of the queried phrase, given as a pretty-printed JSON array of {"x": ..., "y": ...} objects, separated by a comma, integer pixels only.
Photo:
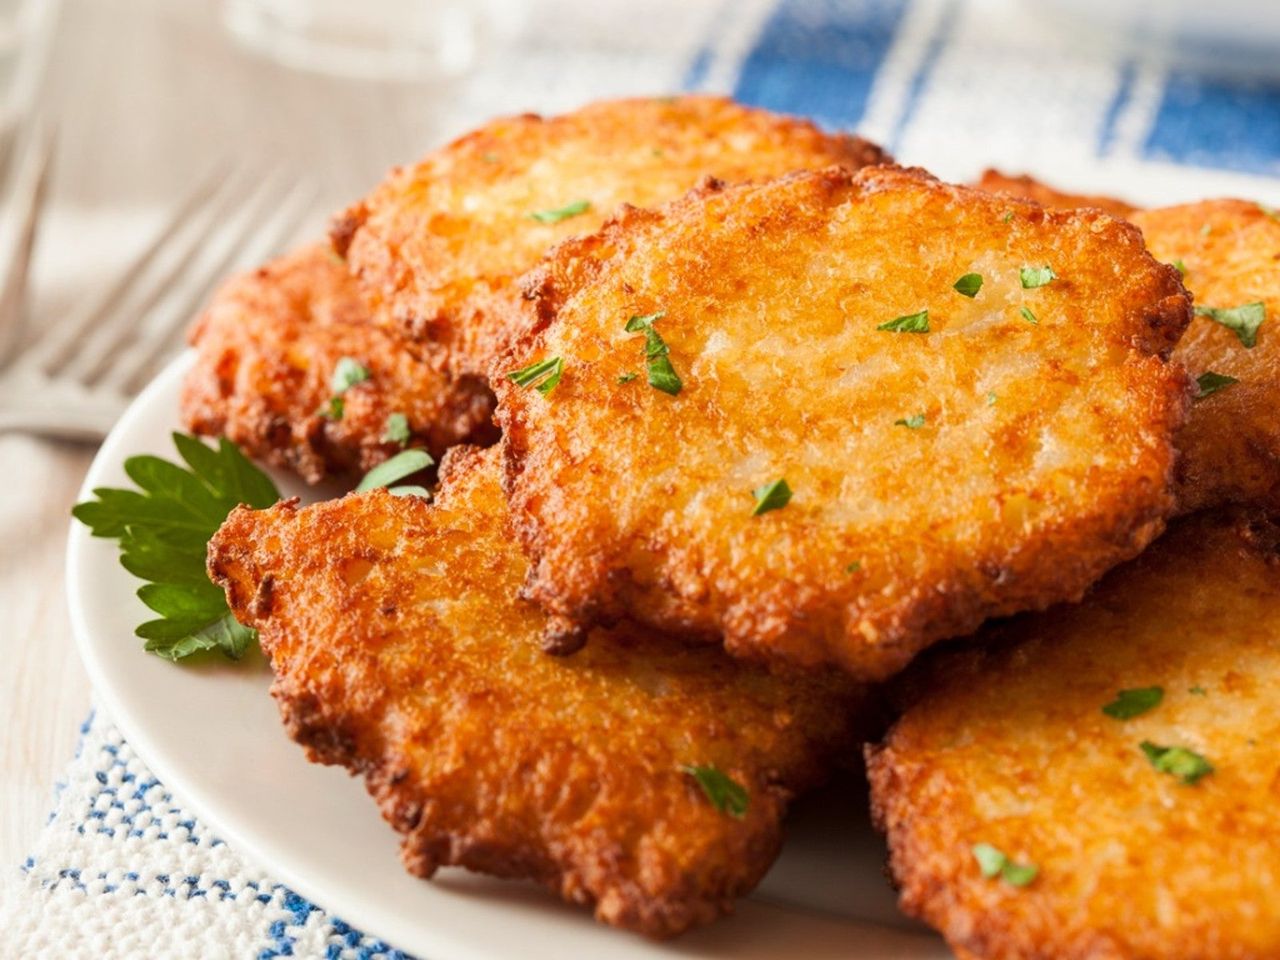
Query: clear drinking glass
[{"x": 366, "y": 39}]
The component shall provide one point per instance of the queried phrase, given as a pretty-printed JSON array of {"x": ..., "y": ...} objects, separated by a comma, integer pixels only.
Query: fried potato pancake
[
  {"x": 1230, "y": 250},
  {"x": 1230, "y": 446},
  {"x": 997, "y": 462},
  {"x": 436, "y": 247},
  {"x": 993, "y": 181},
  {"x": 1142, "y": 852},
  {"x": 267, "y": 347},
  {"x": 402, "y": 652}
]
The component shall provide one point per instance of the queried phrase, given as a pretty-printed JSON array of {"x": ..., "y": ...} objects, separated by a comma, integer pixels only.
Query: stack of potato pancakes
[{"x": 741, "y": 419}]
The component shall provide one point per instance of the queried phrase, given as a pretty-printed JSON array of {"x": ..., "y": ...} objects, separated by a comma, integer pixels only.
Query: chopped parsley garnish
[
  {"x": 1243, "y": 320},
  {"x": 910, "y": 323},
  {"x": 968, "y": 285},
  {"x": 346, "y": 374},
  {"x": 1007, "y": 217},
  {"x": 914, "y": 422},
  {"x": 853, "y": 567},
  {"x": 991, "y": 399},
  {"x": 662, "y": 375},
  {"x": 993, "y": 862},
  {"x": 164, "y": 527},
  {"x": 403, "y": 464},
  {"x": 772, "y": 496},
  {"x": 1033, "y": 277},
  {"x": 1187, "y": 765},
  {"x": 1028, "y": 316},
  {"x": 396, "y": 430},
  {"x": 334, "y": 409},
  {"x": 725, "y": 793},
  {"x": 627, "y": 377},
  {"x": 1180, "y": 267},
  {"x": 1134, "y": 702},
  {"x": 561, "y": 213},
  {"x": 1210, "y": 382},
  {"x": 1198, "y": 691},
  {"x": 542, "y": 375}
]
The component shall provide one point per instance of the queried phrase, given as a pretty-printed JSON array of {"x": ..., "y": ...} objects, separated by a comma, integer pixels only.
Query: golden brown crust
[
  {"x": 993, "y": 181},
  {"x": 1004, "y": 742},
  {"x": 1231, "y": 443},
  {"x": 266, "y": 349},
  {"x": 401, "y": 652},
  {"x": 438, "y": 245},
  {"x": 633, "y": 502}
]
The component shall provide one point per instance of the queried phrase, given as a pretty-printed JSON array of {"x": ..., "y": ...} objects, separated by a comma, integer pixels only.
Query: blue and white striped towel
[{"x": 122, "y": 871}]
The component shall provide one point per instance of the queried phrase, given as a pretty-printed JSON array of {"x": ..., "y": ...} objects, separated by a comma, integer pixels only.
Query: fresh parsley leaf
[
  {"x": 1133, "y": 703},
  {"x": 561, "y": 213},
  {"x": 1033, "y": 277},
  {"x": 164, "y": 527},
  {"x": 968, "y": 285},
  {"x": 542, "y": 375},
  {"x": 853, "y": 567},
  {"x": 662, "y": 375},
  {"x": 1243, "y": 320},
  {"x": 1198, "y": 691},
  {"x": 914, "y": 422},
  {"x": 911, "y": 323},
  {"x": 1028, "y": 316},
  {"x": 1007, "y": 217},
  {"x": 1187, "y": 765},
  {"x": 991, "y": 399},
  {"x": 346, "y": 374},
  {"x": 1210, "y": 382},
  {"x": 993, "y": 862},
  {"x": 409, "y": 490},
  {"x": 403, "y": 464},
  {"x": 397, "y": 430},
  {"x": 725, "y": 793},
  {"x": 771, "y": 496},
  {"x": 627, "y": 377},
  {"x": 1180, "y": 267},
  {"x": 334, "y": 409}
]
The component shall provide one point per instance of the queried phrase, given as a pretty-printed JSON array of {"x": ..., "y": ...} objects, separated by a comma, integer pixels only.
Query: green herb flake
[
  {"x": 725, "y": 793},
  {"x": 1243, "y": 320},
  {"x": 1134, "y": 702},
  {"x": 662, "y": 375},
  {"x": 910, "y": 323},
  {"x": 772, "y": 496},
  {"x": 1187, "y": 765},
  {"x": 334, "y": 409},
  {"x": 1028, "y": 316},
  {"x": 346, "y": 374},
  {"x": 1210, "y": 383},
  {"x": 561, "y": 213},
  {"x": 627, "y": 377},
  {"x": 1198, "y": 691},
  {"x": 1180, "y": 267},
  {"x": 542, "y": 375},
  {"x": 403, "y": 464},
  {"x": 968, "y": 285},
  {"x": 1033, "y": 277},
  {"x": 164, "y": 527},
  {"x": 993, "y": 862},
  {"x": 853, "y": 567},
  {"x": 1007, "y": 217},
  {"x": 914, "y": 422},
  {"x": 991, "y": 399},
  {"x": 397, "y": 430}
]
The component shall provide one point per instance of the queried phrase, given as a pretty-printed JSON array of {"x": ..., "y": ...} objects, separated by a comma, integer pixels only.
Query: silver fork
[{"x": 75, "y": 379}]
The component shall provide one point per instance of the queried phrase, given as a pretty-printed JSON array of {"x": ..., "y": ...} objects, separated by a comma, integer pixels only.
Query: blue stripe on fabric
[
  {"x": 924, "y": 71},
  {"x": 1120, "y": 100},
  {"x": 820, "y": 58},
  {"x": 1233, "y": 125}
]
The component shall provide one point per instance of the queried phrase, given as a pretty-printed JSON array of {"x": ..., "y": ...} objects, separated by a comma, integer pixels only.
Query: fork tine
[
  {"x": 51, "y": 350},
  {"x": 25, "y": 190},
  {"x": 95, "y": 353},
  {"x": 259, "y": 236}
]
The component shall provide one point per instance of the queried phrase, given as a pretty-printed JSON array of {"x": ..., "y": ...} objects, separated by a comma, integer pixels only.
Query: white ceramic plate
[{"x": 213, "y": 737}]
